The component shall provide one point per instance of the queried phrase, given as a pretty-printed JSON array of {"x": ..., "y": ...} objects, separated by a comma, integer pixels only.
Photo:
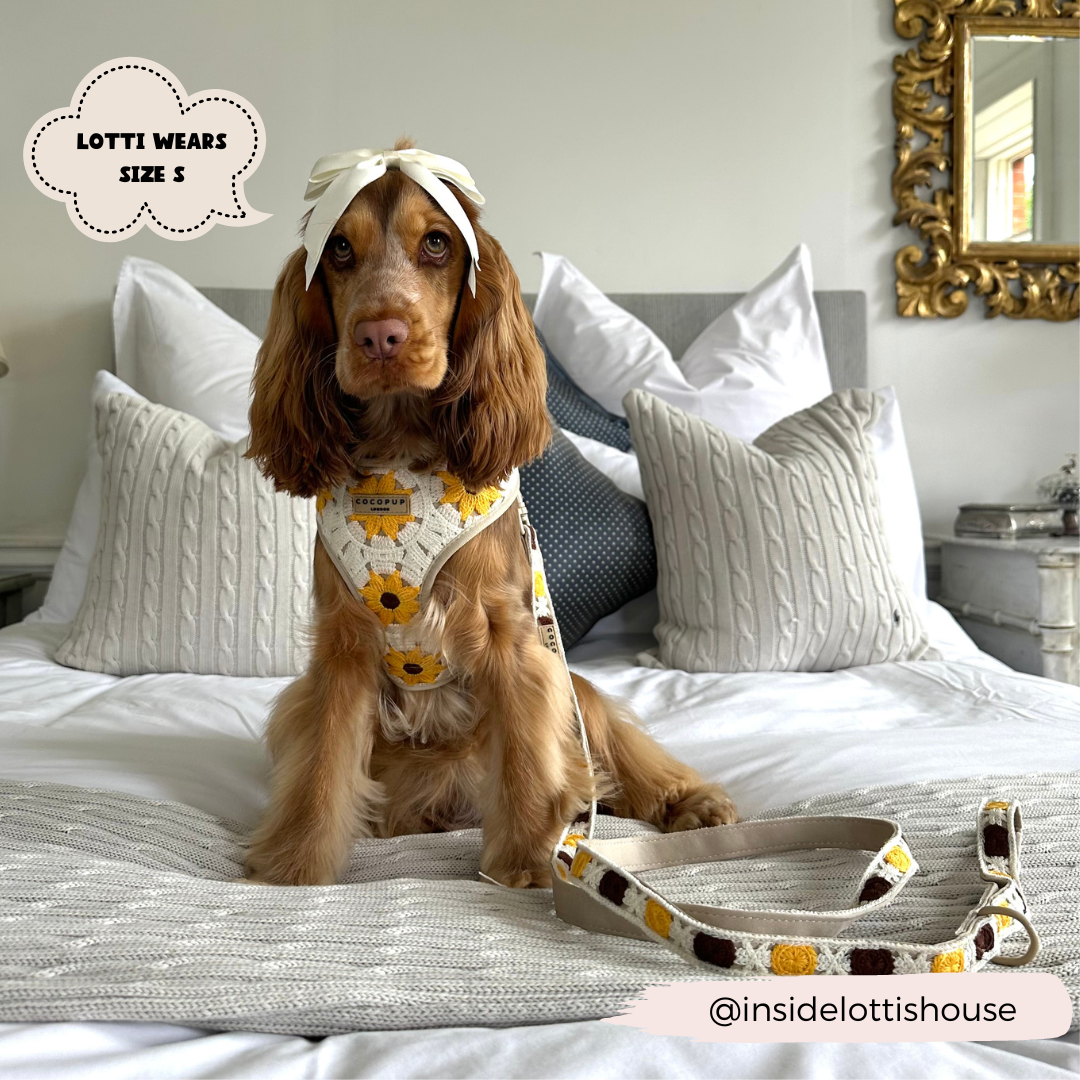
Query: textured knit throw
[
  {"x": 390, "y": 531},
  {"x": 199, "y": 566},
  {"x": 772, "y": 556},
  {"x": 116, "y": 907}
]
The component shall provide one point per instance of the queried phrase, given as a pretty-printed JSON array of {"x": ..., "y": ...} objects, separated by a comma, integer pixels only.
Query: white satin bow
[{"x": 336, "y": 178}]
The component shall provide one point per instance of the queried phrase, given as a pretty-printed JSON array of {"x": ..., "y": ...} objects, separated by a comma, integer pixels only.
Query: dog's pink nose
[{"x": 381, "y": 339}]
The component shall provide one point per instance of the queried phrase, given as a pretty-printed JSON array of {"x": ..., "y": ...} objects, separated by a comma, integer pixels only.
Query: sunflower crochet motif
[
  {"x": 390, "y": 598},
  {"x": 467, "y": 502},
  {"x": 413, "y": 667}
]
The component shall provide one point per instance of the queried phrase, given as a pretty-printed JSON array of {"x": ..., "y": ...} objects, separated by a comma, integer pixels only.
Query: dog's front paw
[
  {"x": 513, "y": 875},
  {"x": 271, "y": 864},
  {"x": 699, "y": 808}
]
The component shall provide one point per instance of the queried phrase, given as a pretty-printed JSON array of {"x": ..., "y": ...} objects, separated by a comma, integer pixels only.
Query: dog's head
[{"x": 388, "y": 350}]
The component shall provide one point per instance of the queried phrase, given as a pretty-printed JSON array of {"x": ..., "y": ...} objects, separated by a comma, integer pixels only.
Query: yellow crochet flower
[
  {"x": 898, "y": 857},
  {"x": 391, "y": 599},
  {"x": 321, "y": 500},
  {"x": 413, "y": 667},
  {"x": 657, "y": 919},
  {"x": 385, "y": 484},
  {"x": 538, "y": 584},
  {"x": 468, "y": 502},
  {"x": 948, "y": 962},
  {"x": 794, "y": 959}
]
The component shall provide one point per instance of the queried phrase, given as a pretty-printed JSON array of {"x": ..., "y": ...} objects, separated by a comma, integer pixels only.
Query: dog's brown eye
[
  {"x": 435, "y": 244},
  {"x": 341, "y": 249}
]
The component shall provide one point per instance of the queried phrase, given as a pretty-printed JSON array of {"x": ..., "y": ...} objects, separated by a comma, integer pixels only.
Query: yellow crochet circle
[
  {"x": 581, "y": 860},
  {"x": 997, "y": 805},
  {"x": 899, "y": 858},
  {"x": 948, "y": 961},
  {"x": 1003, "y": 920},
  {"x": 657, "y": 919},
  {"x": 794, "y": 959}
]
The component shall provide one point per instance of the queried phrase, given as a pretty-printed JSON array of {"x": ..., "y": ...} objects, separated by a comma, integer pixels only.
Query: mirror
[
  {"x": 1024, "y": 145},
  {"x": 988, "y": 158}
]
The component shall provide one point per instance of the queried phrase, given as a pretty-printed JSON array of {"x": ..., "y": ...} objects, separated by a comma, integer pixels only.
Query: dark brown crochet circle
[
  {"x": 984, "y": 941},
  {"x": 714, "y": 950},
  {"x": 874, "y": 888},
  {"x": 996, "y": 840},
  {"x": 613, "y": 887},
  {"x": 872, "y": 962}
]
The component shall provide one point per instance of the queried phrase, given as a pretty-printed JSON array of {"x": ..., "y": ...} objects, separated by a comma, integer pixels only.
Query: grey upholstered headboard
[{"x": 677, "y": 318}]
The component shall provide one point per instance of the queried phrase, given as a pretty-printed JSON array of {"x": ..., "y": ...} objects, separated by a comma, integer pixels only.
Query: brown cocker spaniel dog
[{"x": 388, "y": 358}]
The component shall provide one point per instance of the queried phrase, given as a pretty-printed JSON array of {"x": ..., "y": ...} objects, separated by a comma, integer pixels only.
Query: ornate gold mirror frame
[{"x": 1042, "y": 282}]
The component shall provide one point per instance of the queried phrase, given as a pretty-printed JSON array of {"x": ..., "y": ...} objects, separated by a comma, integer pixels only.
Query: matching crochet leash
[{"x": 596, "y": 886}]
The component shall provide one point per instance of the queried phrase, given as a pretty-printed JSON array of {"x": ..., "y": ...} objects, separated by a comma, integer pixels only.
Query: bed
[{"x": 773, "y": 739}]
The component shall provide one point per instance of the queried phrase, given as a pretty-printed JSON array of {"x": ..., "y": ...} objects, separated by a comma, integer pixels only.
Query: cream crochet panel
[{"x": 390, "y": 531}]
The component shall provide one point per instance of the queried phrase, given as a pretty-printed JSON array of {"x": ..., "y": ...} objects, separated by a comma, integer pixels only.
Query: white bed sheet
[{"x": 771, "y": 738}]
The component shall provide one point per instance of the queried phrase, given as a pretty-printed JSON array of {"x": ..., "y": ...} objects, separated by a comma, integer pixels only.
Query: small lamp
[{"x": 4, "y": 369}]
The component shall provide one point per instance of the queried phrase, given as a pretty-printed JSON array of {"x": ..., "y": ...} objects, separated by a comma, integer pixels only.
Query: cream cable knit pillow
[
  {"x": 772, "y": 555},
  {"x": 200, "y": 566}
]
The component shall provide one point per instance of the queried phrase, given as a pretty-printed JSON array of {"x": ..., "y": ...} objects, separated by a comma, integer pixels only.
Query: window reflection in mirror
[{"x": 1025, "y": 158}]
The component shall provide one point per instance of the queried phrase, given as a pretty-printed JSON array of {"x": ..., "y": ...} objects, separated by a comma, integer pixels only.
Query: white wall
[{"x": 661, "y": 146}]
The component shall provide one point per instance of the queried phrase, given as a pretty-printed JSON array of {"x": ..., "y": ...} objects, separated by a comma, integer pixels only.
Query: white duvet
[{"x": 770, "y": 738}]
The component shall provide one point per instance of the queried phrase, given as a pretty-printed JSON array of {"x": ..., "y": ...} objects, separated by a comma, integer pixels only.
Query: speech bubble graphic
[{"x": 135, "y": 149}]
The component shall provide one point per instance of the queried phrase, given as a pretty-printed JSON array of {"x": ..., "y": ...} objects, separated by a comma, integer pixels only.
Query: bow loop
[{"x": 335, "y": 180}]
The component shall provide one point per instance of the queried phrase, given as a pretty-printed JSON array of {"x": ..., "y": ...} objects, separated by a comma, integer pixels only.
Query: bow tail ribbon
[
  {"x": 445, "y": 198},
  {"x": 333, "y": 202}
]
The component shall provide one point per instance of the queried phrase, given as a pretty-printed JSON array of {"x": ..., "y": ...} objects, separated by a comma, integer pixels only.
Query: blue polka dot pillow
[{"x": 596, "y": 539}]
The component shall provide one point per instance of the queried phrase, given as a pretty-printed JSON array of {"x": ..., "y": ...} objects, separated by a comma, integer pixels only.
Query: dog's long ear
[
  {"x": 302, "y": 426},
  {"x": 491, "y": 414}
]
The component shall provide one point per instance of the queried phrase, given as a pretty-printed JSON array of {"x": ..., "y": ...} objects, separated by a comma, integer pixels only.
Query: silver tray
[{"x": 1009, "y": 521}]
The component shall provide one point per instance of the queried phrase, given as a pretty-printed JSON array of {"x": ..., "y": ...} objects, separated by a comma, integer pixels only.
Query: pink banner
[{"x": 889, "y": 1008}]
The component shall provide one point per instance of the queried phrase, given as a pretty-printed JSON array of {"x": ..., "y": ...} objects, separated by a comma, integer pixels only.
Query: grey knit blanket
[{"x": 115, "y": 907}]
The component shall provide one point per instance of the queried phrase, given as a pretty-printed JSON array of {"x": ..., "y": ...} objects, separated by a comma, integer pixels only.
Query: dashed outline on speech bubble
[{"x": 241, "y": 213}]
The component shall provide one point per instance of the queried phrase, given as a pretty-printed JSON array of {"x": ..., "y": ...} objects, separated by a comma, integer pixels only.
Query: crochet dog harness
[{"x": 389, "y": 532}]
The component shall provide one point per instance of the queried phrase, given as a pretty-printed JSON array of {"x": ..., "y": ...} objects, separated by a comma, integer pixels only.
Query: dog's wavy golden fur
[{"x": 353, "y": 755}]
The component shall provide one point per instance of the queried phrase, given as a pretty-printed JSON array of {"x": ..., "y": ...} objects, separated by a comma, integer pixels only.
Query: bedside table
[
  {"x": 12, "y": 587},
  {"x": 1017, "y": 599}
]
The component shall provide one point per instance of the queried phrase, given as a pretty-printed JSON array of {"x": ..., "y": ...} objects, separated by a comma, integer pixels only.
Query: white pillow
[
  {"x": 758, "y": 362},
  {"x": 899, "y": 501},
  {"x": 178, "y": 349},
  {"x": 175, "y": 348},
  {"x": 68, "y": 581}
]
